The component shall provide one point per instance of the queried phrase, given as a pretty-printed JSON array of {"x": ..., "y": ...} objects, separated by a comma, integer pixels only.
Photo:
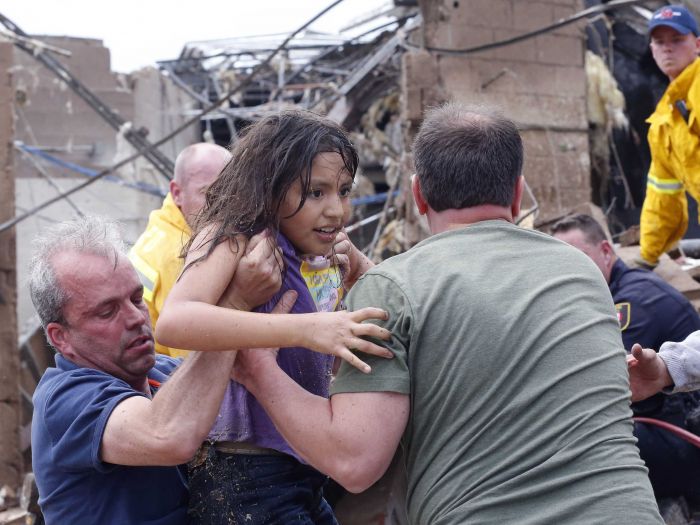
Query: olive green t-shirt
[{"x": 507, "y": 343}]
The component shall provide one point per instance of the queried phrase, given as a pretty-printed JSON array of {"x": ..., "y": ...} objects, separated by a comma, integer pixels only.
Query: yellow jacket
[
  {"x": 156, "y": 256},
  {"x": 675, "y": 165}
]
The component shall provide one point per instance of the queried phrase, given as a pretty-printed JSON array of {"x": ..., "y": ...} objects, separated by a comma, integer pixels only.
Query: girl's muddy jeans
[{"x": 251, "y": 489}]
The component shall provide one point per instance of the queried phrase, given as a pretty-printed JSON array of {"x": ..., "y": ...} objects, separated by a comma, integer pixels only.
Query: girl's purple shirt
[{"x": 241, "y": 418}]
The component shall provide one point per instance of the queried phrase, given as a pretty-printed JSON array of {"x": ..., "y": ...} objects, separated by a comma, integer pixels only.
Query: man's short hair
[
  {"x": 592, "y": 230},
  {"x": 94, "y": 235},
  {"x": 467, "y": 156}
]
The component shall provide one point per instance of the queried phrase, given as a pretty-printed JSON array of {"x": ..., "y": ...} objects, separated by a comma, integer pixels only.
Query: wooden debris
[
  {"x": 8, "y": 497},
  {"x": 630, "y": 236},
  {"x": 16, "y": 516},
  {"x": 29, "y": 495}
]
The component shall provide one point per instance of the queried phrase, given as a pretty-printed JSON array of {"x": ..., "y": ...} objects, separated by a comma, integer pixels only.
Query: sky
[{"x": 140, "y": 32}]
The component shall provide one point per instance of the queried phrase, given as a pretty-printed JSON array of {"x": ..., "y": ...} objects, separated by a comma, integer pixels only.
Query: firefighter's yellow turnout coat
[
  {"x": 156, "y": 256},
  {"x": 674, "y": 140}
]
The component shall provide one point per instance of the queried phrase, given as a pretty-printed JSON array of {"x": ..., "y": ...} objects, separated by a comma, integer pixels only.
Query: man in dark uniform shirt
[{"x": 650, "y": 312}]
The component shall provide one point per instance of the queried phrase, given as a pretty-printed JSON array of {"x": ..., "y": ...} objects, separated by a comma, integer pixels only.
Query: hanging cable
[
  {"x": 139, "y": 186},
  {"x": 678, "y": 431}
]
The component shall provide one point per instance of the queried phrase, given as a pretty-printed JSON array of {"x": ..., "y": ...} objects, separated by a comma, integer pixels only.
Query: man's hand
[
  {"x": 258, "y": 276},
  {"x": 254, "y": 361},
  {"x": 648, "y": 373},
  {"x": 353, "y": 263}
]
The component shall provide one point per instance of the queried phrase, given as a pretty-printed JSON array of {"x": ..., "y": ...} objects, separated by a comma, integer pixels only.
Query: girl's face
[{"x": 312, "y": 230}]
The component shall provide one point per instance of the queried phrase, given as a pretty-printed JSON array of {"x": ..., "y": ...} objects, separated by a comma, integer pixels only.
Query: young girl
[{"x": 290, "y": 175}]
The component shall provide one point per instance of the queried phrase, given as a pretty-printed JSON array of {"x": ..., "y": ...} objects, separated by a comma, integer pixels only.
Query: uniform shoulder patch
[{"x": 624, "y": 314}]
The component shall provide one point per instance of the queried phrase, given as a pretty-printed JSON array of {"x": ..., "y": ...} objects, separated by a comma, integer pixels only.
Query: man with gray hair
[
  {"x": 156, "y": 253},
  {"x": 508, "y": 388},
  {"x": 105, "y": 448}
]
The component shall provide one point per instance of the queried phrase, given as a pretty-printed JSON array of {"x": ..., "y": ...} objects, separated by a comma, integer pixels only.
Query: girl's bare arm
[{"x": 191, "y": 319}]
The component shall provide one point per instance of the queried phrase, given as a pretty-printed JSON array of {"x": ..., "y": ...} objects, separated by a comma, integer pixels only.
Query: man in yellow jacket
[
  {"x": 156, "y": 254},
  {"x": 674, "y": 133}
]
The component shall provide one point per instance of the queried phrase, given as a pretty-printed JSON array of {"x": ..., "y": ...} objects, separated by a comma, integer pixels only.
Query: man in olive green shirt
[{"x": 508, "y": 389}]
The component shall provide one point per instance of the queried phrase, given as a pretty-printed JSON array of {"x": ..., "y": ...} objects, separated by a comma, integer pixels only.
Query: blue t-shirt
[{"x": 71, "y": 408}]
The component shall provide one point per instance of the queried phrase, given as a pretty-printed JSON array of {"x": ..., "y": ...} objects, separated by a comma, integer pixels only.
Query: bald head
[{"x": 196, "y": 167}]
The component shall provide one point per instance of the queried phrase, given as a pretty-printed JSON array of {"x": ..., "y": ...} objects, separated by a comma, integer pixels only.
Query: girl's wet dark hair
[{"x": 276, "y": 151}]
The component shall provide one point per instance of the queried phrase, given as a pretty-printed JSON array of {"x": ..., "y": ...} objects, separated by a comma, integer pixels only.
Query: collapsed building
[{"x": 67, "y": 121}]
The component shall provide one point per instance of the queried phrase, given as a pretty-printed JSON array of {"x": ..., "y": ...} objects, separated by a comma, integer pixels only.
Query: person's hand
[
  {"x": 340, "y": 333},
  {"x": 256, "y": 360},
  {"x": 680, "y": 260},
  {"x": 648, "y": 373},
  {"x": 353, "y": 263},
  {"x": 258, "y": 276}
]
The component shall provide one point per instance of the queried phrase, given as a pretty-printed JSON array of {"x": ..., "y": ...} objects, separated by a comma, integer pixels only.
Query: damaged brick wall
[
  {"x": 50, "y": 115},
  {"x": 540, "y": 83},
  {"x": 10, "y": 458}
]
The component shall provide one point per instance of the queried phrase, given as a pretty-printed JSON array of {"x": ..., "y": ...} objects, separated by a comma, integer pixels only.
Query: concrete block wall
[
  {"x": 51, "y": 115},
  {"x": 540, "y": 83},
  {"x": 10, "y": 457},
  {"x": 161, "y": 106}
]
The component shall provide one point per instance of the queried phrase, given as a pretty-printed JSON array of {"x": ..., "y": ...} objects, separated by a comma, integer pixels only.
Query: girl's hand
[
  {"x": 353, "y": 263},
  {"x": 340, "y": 334}
]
